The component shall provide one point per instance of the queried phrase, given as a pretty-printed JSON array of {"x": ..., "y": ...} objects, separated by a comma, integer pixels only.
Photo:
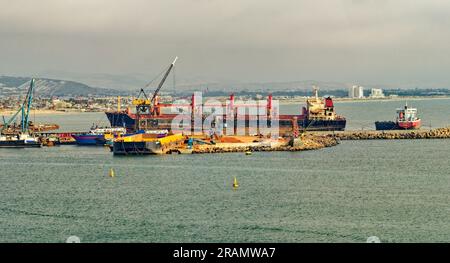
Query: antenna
[{"x": 316, "y": 91}]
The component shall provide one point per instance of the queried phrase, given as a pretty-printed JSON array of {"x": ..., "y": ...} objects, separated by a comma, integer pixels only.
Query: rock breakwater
[{"x": 440, "y": 133}]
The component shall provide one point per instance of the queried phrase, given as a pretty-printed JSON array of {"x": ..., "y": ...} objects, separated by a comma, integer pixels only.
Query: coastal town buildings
[
  {"x": 376, "y": 93},
  {"x": 356, "y": 92}
]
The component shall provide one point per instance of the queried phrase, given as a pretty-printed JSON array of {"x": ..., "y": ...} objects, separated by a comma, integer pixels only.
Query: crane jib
[{"x": 163, "y": 80}]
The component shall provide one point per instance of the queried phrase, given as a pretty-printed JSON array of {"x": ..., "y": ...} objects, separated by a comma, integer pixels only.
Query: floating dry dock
[
  {"x": 178, "y": 143},
  {"x": 146, "y": 144}
]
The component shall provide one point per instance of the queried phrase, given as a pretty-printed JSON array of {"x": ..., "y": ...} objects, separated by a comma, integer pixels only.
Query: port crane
[
  {"x": 145, "y": 105},
  {"x": 24, "y": 110}
]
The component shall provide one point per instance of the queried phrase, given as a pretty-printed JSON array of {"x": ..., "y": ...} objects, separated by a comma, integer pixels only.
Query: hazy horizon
[{"x": 359, "y": 41}]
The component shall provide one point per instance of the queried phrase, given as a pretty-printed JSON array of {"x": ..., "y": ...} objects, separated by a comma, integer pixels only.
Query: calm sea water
[{"x": 396, "y": 190}]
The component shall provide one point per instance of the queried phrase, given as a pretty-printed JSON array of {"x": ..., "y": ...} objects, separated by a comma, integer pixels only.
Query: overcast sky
[{"x": 376, "y": 41}]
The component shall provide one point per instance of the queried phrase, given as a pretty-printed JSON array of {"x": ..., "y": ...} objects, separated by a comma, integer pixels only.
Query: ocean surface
[{"x": 396, "y": 190}]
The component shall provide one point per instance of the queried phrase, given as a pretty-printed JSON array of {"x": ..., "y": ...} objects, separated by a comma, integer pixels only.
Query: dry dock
[{"x": 307, "y": 141}]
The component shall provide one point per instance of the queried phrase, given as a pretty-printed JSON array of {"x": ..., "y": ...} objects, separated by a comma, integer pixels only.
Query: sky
[{"x": 358, "y": 41}]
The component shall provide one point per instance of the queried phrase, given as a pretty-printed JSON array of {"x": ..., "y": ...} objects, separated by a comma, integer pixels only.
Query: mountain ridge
[{"x": 11, "y": 85}]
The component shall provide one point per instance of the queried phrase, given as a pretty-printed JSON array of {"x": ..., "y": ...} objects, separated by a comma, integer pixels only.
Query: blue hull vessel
[{"x": 89, "y": 139}]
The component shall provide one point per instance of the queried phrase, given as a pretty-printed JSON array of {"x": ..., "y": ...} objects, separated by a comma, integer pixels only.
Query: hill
[{"x": 51, "y": 87}]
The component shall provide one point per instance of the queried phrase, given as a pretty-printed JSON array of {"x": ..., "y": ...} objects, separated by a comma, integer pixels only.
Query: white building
[
  {"x": 356, "y": 92},
  {"x": 351, "y": 93},
  {"x": 359, "y": 92},
  {"x": 376, "y": 93}
]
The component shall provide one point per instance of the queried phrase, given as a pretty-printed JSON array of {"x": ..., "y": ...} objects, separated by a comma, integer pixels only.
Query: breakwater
[
  {"x": 440, "y": 133},
  {"x": 305, "y": 143}
]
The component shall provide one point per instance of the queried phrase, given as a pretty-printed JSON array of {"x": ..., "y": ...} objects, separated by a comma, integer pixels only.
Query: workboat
[
  {"x": 406, "y": 120},
  {"x": 98, "y": 136},
  {"x": 20, "y": 136},
  {"x": 21, "y": 140}
]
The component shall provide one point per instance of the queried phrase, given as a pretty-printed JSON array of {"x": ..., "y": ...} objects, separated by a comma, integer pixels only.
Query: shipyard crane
[
  {"x": 144, "y": 105},
  {"x": 24, "y": 111},
  {"x": 150, "y": 102},
  {"x": 162, "y": 81}
]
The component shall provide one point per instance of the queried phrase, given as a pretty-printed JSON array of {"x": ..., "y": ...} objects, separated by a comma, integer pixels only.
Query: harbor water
[{"x": 396, "y": 190}]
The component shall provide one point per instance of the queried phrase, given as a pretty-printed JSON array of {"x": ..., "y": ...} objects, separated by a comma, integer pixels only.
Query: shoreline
[
  {"x": 47, "y": 112},
  {"x": 281, "y": 102}
]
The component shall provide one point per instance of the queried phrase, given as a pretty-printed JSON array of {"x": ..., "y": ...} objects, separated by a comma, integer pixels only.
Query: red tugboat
[{"x": 406, "y": 120}]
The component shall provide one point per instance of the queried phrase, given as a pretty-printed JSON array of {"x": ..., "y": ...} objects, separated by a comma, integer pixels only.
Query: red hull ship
[
  {"x": 317, "y": 115},
  {"x": 406, "y": 120}
]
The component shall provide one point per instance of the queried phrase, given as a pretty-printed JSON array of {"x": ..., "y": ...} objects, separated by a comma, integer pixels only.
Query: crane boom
[
  {"x": 163, "y": 80},
  {"x": 27, "y": 107}
]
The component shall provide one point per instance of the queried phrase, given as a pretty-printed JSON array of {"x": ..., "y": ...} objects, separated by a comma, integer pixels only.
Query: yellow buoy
[
  {"x": 111, "y": 172},
  {"x": 235, "y": 183}
]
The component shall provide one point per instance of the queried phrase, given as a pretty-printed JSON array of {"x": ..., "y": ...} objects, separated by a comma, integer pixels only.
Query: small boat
[
  {"x": 406, "y": 120},
  {"x": 98, "y": 136},
  {"x": 22, "y": 140}
]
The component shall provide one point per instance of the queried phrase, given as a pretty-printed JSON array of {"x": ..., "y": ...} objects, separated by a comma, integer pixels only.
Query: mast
[{"x": 316, "y": 92}]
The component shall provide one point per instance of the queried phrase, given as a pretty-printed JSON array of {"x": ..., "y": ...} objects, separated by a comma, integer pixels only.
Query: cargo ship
[
  {"x": 318, "y": 115},
  {"x": 98, "y": 136},
  {"x": 406, "y": 120}
]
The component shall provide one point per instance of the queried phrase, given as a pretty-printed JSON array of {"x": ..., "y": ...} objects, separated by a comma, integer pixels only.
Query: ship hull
[
  {"x": 322, "y": 125},
  {"x": 19, "y": 144},
  {"x": 409, "y": 125},
  {"x": 89, "y": 139},
  {"x": 131, "y": 148},
  {"x": 390, "y": 125},
  {"x": 122, "y": 119}
]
